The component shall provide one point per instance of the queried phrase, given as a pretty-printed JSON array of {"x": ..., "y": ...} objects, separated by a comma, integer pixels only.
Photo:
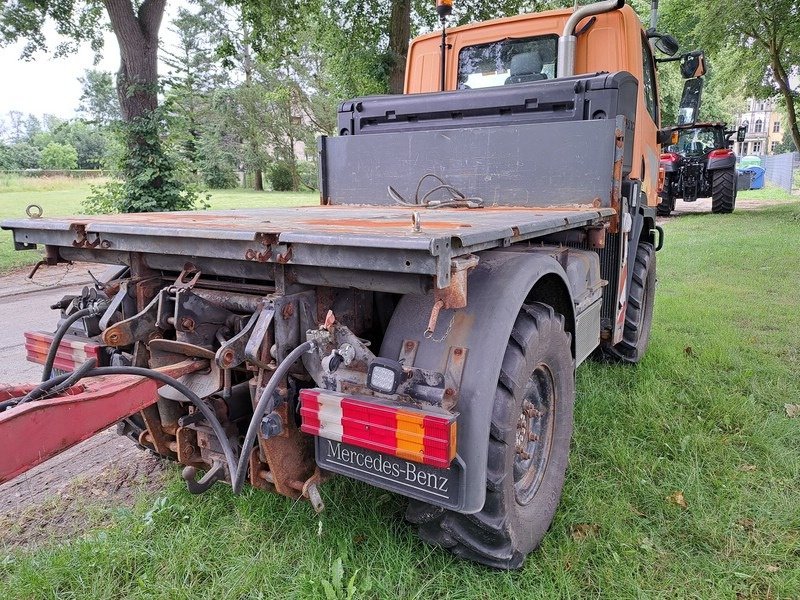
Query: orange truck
[{"x": 419, "y": 330}]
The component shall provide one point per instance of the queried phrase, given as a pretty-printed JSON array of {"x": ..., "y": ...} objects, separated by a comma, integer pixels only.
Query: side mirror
[
  {"x": 667, "y": 44},
  {"x": 741, "y": 133},
  {"x": 666, "y": 137},
  {"x": 693, "y": 64},
  {"x": 689, "y": 109}
]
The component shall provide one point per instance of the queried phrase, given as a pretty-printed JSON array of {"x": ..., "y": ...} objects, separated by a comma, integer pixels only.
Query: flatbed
[{"x": 318, "y": 236}]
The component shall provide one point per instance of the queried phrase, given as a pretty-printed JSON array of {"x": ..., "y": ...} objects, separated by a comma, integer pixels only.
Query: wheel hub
[{"x": 534, "y": 433}]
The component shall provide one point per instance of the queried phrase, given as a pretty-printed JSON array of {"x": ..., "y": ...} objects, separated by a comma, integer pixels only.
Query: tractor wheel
[
  {"x": 639, "y": 314},
  {"x": 667, "y": 204},
  {"x": 528, "y": 450},
  {"x": 723, "y": 191},
  {"x": 665, "y": 207}
]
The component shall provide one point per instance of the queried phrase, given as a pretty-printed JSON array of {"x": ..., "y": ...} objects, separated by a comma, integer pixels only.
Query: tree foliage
[{"x": 756, "y": 44}]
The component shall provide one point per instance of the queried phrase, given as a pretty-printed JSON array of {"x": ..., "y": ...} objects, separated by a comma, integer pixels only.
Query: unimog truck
[{"x": 476, "y": 240}]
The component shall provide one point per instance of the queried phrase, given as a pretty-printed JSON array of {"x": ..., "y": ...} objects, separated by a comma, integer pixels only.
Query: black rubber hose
[
  {"x": 58, "y": 336},
  {"x": 206, "y": 411},
  {"x": 74, "y": 377},
  {"x": 237, "y": 481}
]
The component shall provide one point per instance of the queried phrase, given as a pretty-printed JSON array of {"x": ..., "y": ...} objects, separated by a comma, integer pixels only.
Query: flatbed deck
[{"x": 314, "y": 236}]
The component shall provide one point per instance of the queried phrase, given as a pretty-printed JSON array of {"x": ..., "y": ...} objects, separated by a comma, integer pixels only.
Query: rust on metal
[
  {"x": 596, "y": 237},
  {"x": 455, "y": 294},
  {"x": 285, "y": 257},
  {"x": 454, "y": 371}
]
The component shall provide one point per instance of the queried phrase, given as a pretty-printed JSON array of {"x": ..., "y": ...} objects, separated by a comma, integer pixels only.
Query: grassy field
[
  {"x": 684, "y": 479},
  {"x": 63, "y": 196}
]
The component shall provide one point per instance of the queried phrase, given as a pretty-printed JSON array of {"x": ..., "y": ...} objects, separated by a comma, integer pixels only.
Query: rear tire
[
  {"x": 667, "y": 204},
  {"x": 529, "y": 442},
  {"x": 723, "y": 191},
  {"x": 639, "y": 313}
]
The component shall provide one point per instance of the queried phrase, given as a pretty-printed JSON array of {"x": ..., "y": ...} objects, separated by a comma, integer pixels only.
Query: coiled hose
[{"x": 206, "y": 411}]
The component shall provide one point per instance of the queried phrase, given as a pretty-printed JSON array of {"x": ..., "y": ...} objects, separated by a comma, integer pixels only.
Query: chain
[
  {"x": 446, "y": 333},
  {"x": 57, "y": 283}
]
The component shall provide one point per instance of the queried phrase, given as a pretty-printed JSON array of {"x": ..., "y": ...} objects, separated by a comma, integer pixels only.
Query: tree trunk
[
  {"x": 782, "y": 79},
  {"x": 137, "y": 35},
  {"x": 258, "y": 181},
  {"x": 399, "y": 32}
]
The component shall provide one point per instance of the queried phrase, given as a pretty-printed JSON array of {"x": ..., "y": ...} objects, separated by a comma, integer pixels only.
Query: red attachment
[
  {"x": 72, "y": 351},
  {"x": 39, "y": 430},
  {"x": 670, "y": 157},
  {"x": 720, "y": 153}
]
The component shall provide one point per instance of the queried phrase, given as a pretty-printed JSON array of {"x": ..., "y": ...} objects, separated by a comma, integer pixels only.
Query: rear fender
[
  {"x": 723, "y": 162},
  {"x": 497, "y": 288}
]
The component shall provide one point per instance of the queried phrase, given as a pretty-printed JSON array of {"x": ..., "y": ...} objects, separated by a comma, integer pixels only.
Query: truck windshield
[
  {"x": 698, "y": 141},
  {"x": 507, "y": 61}
]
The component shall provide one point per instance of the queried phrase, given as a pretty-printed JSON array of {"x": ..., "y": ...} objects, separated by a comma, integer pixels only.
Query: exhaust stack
[{"x": 568, "y": 41}]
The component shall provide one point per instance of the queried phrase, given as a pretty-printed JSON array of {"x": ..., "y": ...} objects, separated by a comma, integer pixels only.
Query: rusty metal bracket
[
  {"x": 253, "y": 346},
  {"x": 232, "y": 352},
  {"x": 139, "y": 327}
]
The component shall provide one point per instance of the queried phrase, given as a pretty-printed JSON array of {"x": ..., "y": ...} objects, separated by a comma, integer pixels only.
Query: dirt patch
[
  {"x": 703, "y": 205},
  {"x": 84, "y": 502}
]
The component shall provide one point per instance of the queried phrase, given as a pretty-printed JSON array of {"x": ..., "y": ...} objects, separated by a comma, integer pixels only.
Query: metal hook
[{"x": 213, "y": 475}]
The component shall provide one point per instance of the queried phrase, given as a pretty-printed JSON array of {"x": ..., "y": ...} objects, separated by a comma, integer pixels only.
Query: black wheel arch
[{"x": 502, "y": 282}]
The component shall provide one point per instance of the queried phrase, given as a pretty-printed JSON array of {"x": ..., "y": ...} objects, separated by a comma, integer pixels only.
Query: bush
[
  {"x": 151, "y": 181},
  {"x": 280, "y": 177},
  {"x": 220, "y": 177},
  {"x": 308, "y": 174},
  {"x": 57, "y": 156}
]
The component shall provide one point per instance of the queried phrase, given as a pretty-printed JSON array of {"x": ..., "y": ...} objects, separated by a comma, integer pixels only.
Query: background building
[{"x": 764, "y": 127}]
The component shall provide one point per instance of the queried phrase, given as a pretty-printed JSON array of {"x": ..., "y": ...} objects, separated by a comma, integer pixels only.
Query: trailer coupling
[{"x": 34, "y": 431}]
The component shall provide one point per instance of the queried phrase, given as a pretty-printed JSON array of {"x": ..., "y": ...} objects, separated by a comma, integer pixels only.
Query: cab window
[
  {"x": 649, "y": 81},
  {"x": 507, "y": 62}
]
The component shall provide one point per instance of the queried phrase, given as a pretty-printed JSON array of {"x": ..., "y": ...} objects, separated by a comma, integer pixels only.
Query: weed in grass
[{"x": 709, "y": 424}]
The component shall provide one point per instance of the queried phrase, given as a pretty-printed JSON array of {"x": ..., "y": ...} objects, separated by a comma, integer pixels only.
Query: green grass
[
  {"x": 59, "y": 196},
  {"x": 702, "y": 415}
]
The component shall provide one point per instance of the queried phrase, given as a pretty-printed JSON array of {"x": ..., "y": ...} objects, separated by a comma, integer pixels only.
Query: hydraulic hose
[
  {"x": 52, "y": 388},
  {"x": 206, "y": 411},
  {"x": 237, "y": 481},
  {"x": 58, "y": 336}
]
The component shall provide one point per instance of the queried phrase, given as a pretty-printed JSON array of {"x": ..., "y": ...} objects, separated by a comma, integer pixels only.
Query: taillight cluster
[
  {"x": 72, "y": 351},
  {"x": 418, "y": 435}
]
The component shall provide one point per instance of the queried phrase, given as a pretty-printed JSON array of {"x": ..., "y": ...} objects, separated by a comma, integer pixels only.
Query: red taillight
[
  {"x": 720, "y": 153},
  {"x": 423, "y": 436},
  {"x": 72, "y": 351},
  {"x": 670, "y": 157}
]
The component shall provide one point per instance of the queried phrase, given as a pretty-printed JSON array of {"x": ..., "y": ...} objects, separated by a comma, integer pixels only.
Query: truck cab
[{"x": 524, "y": 48}]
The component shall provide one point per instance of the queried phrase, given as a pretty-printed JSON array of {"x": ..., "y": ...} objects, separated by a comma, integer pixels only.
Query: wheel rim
[{"x": 534, "y": 434}]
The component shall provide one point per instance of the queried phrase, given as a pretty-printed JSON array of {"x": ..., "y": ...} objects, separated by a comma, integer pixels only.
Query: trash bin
[
  {"x": 757, "y": 181},
  {"x": 744, "y": 179},
  {"x": 749, "y": 161}
]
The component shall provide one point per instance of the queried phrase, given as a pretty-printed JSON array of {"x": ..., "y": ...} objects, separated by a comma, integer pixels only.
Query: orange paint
[{"x": 615, "y": 42}]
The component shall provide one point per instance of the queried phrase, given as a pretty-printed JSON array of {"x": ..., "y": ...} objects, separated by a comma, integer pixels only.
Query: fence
[
  {"x": 74, "y": 173},
  {"x": 782, "y": 170}
]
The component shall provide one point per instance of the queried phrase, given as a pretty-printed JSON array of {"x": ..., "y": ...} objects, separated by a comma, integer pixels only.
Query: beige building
[{"x": 764, "y": 127}]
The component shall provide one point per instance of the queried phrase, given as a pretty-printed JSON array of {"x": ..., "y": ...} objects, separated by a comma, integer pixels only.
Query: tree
[
  {"x": 151, "y": 179},
  {"x": 98, "y": 101},
  {"x": 59, "y": 157},
  {"x": 380, "y": 30},
  {"x": 760, "y": 40}
]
